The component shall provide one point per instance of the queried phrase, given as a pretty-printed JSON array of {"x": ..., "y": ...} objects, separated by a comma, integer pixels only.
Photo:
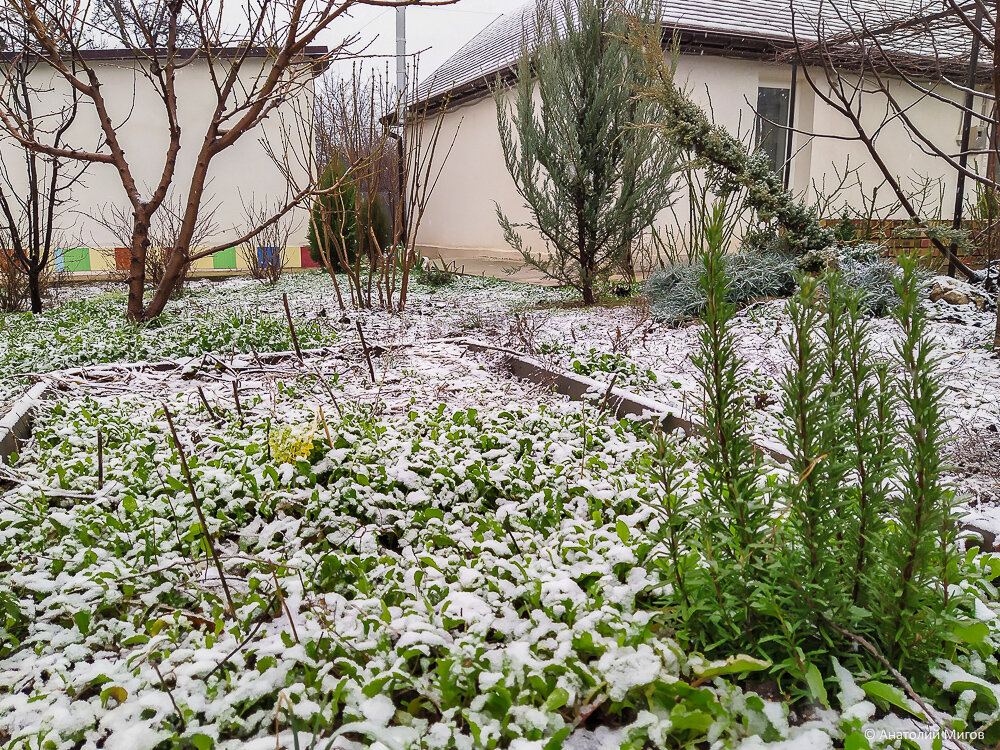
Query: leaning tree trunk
[{"x": 173, "y": 274}]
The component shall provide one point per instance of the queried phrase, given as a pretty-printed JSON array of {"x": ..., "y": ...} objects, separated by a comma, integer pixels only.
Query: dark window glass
[{"x": 772, "y": 111}]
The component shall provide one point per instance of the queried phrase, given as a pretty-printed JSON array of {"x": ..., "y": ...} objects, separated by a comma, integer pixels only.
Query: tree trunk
[
  {"x": 35, "y": 291},
  {"x": 137, "y": 268},
  {"x": 173, "y": 274}
]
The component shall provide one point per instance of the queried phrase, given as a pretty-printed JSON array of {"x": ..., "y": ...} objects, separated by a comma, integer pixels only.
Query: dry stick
[
  {"x": 242, "y": 643},
  {"x": 208, "y": 408},
  {"x": 291, "y": 327},
  {"x": 236, "y": 398},
  {"x": 282, "y": 604},
  {"x": 201, "y": 515},
  {"x": 607, "y": 393},
  {"x": 364, "y": 348},
  {"x": 326, "y": 428},
  {"x": 329, "y": 390},
  {"x": 100, "y": 459},
  {"x": 170, "y": 695}
]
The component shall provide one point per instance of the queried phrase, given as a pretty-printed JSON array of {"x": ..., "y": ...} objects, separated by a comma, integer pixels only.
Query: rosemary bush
[{"x": 857, "y": 542}]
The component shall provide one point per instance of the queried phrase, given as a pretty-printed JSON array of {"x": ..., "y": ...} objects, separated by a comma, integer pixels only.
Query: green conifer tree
[
  {"x": 333, "y": 223},
  {"x": 592, "y": 174}
]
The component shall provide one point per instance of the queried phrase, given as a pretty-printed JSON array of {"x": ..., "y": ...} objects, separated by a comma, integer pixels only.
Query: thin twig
[
  {"x": 100, "y": 459},
  {"x": 291, "y": 327},
  {"x": 326, "y": 428},
  {"x": 208, "y": 408},
  {"x": 201, "y": 515},
  {"x": 236, "y": 398},
  {"x": 244, "y": 642},
  {"x": 170, "y": 695},
  {"x": 871, "y": 649},
  {"x": 364, "y": 348},
  {"x": 329, "y": 390},
  {"x": 283, "y": 604},
  {"x": 607, "y": 393}
]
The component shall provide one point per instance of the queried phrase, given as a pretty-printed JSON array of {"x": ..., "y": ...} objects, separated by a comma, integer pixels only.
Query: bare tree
[
  {"x": 35, "y": 188},
  {"x": 876, "y": 66},
  {"x": 256, "y": 58},
  {"x": 164, "y": 231},
  {"x": 265, "y": 254},
  {"x": 354, "y": 125}
]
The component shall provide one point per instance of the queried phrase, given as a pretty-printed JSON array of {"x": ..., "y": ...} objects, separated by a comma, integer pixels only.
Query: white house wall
[
  {"x": 244, "y": 173},
  {"x": 460, "y": 221}
]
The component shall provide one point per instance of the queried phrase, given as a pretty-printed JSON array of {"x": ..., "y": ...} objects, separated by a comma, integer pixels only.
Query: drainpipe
[
  {"x": 963, "y": 156},
  {"x": 791, "y": 124},
  {"x": 400, "y": 179}
]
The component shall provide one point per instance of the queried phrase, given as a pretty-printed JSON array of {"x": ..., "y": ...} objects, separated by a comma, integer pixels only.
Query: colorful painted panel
[
  {"x": 307, "y": 261},
  {"x": 122, "y": 258},
  {"x": 269, "y": 256},
  {"x": 72, "y": 259},
  {"x": 224, "y": 258}
]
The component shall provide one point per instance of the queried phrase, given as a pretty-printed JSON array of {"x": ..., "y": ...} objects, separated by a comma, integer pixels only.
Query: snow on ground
[
  {"x": 621, "y": 342},
  {"x": 459, "y": 540}
]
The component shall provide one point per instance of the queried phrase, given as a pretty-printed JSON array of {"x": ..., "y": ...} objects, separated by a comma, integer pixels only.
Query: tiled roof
[{"x": 498, "y": 46}]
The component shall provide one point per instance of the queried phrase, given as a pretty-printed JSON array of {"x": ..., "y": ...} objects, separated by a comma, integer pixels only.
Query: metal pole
[
  {"x": 963, "y": 156},
  {"x": 402, "y": 97},
  {"x": 401, "y": 52}
]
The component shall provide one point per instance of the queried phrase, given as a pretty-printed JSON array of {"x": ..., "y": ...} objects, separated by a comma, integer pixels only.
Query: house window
[{"x": 772, "y": 118}]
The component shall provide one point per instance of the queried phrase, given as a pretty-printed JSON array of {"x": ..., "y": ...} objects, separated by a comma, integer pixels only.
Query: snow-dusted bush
[
  {"x": 875, "y": 277},
  {"x": 675, "y": 294},
  {"x": 759, "y": 272}
]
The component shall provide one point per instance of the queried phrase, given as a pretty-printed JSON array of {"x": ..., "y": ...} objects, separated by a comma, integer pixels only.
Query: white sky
[{"x": 435, "y": 32}]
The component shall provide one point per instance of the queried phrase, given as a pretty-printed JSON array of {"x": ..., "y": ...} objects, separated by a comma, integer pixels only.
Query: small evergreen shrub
[
  {"x": 333, "y": 221},
  {"x": 675, "y": 294},
  {"x": 864, "y": 268},
  {"x": 760, "y": 271},
  {"x": 374, "y": 226}
]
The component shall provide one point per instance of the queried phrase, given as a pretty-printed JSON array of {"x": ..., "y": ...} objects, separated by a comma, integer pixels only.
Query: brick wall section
[{"x": 885, "y": 232}]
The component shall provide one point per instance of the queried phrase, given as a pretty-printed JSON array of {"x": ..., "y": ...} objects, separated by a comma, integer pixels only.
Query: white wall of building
[
  {"x": 242, "y": 174},
  {"x": 460, "y": 221}
]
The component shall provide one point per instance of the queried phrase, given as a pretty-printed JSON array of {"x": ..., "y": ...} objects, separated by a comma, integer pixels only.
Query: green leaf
[
  {"x": 814, "y": 680},
  {"x": 889, "y": 694},
  {"x": 202, "y": 741},
  {"x": 129, "y": 504},
  {"x": 856, "y": 741},
  {"x": 683, "y": 718},
  {"x": 623, "y": 532},
  {"x": 556, "y": 700},
  {"x": 556, "y": 741},
  {"x": 972, "y": 632},
  {"x": 82, "y": 620},
  {"x": 117, "y": 692},
  {"x": 733, "y": 665}
]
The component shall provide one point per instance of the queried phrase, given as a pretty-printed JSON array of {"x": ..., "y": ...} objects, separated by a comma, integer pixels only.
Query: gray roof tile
[{"x": 499, "y": 44}]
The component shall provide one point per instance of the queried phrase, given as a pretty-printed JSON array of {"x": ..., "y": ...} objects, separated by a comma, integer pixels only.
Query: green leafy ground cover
[
  {"x": 239, "y": 315},
  {"x": 448, "y": 577}
]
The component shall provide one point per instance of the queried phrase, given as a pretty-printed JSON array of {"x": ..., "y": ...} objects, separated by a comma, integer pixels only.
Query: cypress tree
[
  {"x": 333, "y": 223},
  {"x": 592, "y": 172}
]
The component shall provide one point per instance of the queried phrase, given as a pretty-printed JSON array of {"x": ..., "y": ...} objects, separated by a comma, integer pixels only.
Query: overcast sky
[{"x": 435, "y": 32}]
